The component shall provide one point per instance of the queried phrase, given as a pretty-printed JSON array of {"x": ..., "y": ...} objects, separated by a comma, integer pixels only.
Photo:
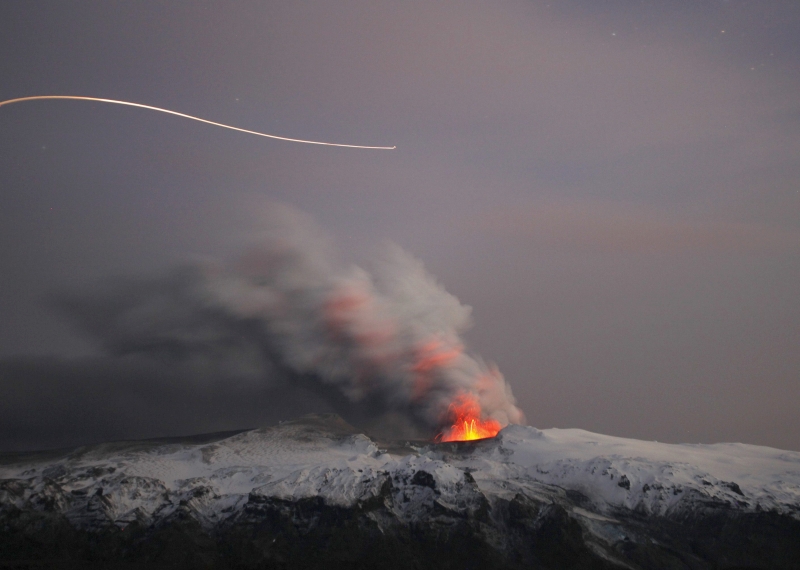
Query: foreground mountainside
[{"x": 315, "y": 493}]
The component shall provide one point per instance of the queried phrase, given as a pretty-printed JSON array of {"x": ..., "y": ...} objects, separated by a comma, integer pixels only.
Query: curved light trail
[{"x": 185, "y": 116}]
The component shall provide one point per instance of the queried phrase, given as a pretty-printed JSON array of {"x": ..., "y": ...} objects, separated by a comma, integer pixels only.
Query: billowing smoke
[{"x": 388, "y": 340}]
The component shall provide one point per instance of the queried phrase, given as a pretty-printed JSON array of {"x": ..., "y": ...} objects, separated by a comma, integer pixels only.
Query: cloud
[
  {"x": 284, "y": 313},
  {"x": 48, "y": 403},
  {"x": 612, "y": 227}
]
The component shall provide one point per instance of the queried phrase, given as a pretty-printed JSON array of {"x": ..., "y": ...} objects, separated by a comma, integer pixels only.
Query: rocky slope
[{"x": 316, "y": 493}]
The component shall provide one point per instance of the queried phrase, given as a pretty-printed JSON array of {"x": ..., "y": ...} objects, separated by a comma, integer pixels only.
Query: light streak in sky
[{"x": 185, "y": 116}]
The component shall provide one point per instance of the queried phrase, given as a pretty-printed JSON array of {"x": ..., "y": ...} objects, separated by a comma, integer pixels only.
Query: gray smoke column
[{"x": 384, "y": 340}]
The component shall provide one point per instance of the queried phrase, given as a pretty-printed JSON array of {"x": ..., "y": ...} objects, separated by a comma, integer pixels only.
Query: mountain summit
[{"x": 316, "y": 493}]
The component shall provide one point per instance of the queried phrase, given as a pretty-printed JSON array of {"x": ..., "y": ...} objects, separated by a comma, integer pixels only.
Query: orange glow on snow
[{"x": 467, "y": 424}]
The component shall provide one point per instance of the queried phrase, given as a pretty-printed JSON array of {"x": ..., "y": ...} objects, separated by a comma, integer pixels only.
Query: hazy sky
[{"x": 612, "y": 185}]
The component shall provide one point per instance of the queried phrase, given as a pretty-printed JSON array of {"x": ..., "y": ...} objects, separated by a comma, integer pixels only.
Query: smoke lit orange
[
  {"x": 467, "y": 422},
  {"x": 430, "y": 357}
]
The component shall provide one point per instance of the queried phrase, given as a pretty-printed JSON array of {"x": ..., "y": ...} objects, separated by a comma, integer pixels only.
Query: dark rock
[
  {"x": 523, "y": 532},
  {"x": 423, "y": 479},
  {"x": 735, "y": 488}
]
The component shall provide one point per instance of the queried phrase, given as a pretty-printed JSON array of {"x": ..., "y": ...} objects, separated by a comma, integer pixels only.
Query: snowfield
[
  {"x": 656, "y": 477},
  {"x": 323, "y": 458}
]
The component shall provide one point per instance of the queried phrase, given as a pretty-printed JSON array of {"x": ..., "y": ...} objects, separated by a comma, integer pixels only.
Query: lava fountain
[{"x": 465, "y": 413}]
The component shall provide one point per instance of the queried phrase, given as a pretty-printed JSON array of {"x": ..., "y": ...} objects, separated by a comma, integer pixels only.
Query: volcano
[{"x": 316, "y": 493}]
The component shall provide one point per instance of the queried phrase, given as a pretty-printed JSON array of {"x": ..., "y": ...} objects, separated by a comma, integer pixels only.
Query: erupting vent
[{"x": 467, "y": 425}]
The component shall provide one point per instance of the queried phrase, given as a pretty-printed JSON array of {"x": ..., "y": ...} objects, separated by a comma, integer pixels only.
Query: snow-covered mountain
[{"x": 315, "y": 492}]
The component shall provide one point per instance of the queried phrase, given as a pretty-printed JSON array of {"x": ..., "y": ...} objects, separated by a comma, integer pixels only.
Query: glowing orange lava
[{"x": 467, "y": 424}]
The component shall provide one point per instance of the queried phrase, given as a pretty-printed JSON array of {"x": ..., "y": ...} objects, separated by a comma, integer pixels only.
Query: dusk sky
[{"x": 613, "y": 186}]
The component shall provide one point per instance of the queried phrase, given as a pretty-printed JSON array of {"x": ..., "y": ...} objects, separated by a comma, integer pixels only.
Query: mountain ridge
[{"x": 526, "y": 499}]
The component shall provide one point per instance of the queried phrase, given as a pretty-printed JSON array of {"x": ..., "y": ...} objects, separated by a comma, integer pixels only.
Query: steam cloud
[{"x": 371, "y": 342}]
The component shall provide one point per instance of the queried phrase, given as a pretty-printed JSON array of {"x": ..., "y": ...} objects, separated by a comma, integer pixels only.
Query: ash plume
[{"x": 372, "y": 342}]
